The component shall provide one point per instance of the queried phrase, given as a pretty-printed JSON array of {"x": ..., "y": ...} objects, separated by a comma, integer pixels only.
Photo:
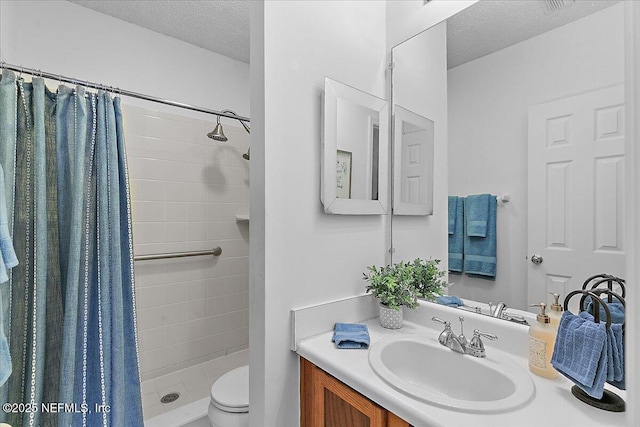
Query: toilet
[{"x": 229, "y": 405}]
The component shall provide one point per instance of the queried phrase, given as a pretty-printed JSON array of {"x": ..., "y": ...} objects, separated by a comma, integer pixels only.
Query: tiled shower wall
[{"x": 187, "y": 191}]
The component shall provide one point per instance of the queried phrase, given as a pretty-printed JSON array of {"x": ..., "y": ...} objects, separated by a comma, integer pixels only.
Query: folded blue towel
[
  {"x": 450, "y": 300},
  {"x": 351, "y": 335},
  {"x": 476, "y": 212},
  {"x": 480, "y": 252},
  {"x": 456, "y": 236},
  {"x": 615, "y": 308},
  {"x": 581, "y": 352},
  {"x": 453, "y": 203}
]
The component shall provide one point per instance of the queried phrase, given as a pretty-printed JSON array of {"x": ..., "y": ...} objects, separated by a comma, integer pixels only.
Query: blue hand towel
[
  {"x": 453, "y": 203},
  {"x": 480, "y": 252},
  {"x": 456, "y": 237},
  {"x": 580, "y": 352},
  {"x": 351, "y": 335},
  {"x": 450, "y": 300},
  {"x": 615, "y": 308},
  {"x": 476, "y": 212}
]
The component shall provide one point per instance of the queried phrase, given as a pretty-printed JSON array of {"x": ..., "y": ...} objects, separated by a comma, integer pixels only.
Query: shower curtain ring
[{"x": 21, "y": 70}]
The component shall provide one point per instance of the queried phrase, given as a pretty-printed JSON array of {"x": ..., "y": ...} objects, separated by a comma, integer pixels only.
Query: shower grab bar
[{"x": 216, "y": 251}]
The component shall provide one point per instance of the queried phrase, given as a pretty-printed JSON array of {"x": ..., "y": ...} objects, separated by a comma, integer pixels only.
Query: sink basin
[{"x": 418, "y": 366}]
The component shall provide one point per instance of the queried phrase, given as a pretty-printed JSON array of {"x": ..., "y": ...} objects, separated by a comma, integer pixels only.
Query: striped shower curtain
[{"x": 69, "y": 306}]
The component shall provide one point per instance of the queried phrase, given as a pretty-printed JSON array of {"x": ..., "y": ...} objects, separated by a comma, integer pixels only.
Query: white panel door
[
  {"x": 413, "y": 163},
  {"x": 576, "y": 192}
]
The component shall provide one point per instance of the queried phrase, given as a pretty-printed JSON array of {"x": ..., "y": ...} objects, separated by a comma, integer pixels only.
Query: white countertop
[{"x": 552, "y": 405}]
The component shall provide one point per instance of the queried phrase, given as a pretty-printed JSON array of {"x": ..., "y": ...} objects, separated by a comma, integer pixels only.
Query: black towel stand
[{"x": 609, "y": 401}]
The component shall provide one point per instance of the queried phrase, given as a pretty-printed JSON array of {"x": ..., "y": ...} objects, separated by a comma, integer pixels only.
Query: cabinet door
[{"x": 327, "y": 402}]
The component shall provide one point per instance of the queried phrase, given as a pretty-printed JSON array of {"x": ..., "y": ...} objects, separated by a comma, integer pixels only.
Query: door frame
[{"x": 632, "y": 210}]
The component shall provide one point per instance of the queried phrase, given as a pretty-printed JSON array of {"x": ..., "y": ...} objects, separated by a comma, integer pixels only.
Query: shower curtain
[{"x": 69, "y": 306}]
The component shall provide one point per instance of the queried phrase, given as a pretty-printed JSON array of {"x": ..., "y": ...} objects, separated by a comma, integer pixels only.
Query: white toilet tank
[{"x": 229, "y": 405}]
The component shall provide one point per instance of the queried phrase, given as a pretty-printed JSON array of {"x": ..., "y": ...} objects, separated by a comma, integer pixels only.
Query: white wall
[
  {"x": 420, "y": 85},
  {"x": 488, "y": 106},
  {"x": 186, "y": 188},
  {"x": 309, "y": 257},
  {"x": 62, "y": 37}
]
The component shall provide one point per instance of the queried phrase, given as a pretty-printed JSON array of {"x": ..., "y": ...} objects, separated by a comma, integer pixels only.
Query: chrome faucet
[
  {"x": 459, "y": 343},
  {"x": 497, "y": 310}
]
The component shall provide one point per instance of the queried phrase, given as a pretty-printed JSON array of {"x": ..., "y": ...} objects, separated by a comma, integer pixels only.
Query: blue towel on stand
[
  {"x": 456, "y": 233},
  {"x": 351, "y": 335},
  {"x": 615, "y": 308},
  {"x": 480, "y": 252},
  {"x": 618, "y": 357},
  {"x": 581, "y": 352}
]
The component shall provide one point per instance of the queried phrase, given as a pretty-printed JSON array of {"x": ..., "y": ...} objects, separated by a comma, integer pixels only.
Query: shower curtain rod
[{"x": 61, "y": 78}]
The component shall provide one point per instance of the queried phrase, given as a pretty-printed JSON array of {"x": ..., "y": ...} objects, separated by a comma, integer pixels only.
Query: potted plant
[
  {"x": 426, "y": 276},
  {"x": 400, "y": 285}
]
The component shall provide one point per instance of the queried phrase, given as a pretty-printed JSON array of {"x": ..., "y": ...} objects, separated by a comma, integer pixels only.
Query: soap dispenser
[
  {"x": 542, "y": 338},
  {"x": 556, "y": 311}
]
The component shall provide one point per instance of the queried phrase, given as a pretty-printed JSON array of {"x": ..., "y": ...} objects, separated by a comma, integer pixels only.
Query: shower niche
[{"x": 355, "y": 150}]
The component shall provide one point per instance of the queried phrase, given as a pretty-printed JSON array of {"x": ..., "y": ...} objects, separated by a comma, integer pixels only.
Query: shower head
[{"x": 217, "y": 133}]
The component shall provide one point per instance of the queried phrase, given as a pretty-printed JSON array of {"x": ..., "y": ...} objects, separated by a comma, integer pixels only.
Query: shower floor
[{"x": 194, "y": 386}]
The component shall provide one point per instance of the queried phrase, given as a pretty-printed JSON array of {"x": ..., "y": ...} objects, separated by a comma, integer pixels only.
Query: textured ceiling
[
  {"x": 220, "y": 26},
  {"x": 491, "y": 25}
]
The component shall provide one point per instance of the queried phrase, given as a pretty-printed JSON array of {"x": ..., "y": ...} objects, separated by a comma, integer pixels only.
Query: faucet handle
[
  {"x": 476, "y": 346},
  {"x": 444, "y": 322},
  {"x": 447, "y": 334},
  {"x": 478, "y": 333}
]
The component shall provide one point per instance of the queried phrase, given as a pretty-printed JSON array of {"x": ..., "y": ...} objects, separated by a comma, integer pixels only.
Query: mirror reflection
[
  {"x": 535, "y": 110},
  {"x": 413, "y": 163},
  {"x": 355, "y": 151},
  {"x": 358, "y": 152}
]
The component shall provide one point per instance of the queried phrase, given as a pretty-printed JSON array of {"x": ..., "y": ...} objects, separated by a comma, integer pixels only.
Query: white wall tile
[
  {"x": 150, "y": 211},
  {"x": 175, "y": 334},
  {"x": 150, "y": 190},
  {"x": 186, "y": 191},
  {"x": 176, "y": 211},
  {"x": 176, "y": 191}
]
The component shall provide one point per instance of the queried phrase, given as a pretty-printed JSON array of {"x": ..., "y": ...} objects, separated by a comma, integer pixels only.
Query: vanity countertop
[{"x": 553, "y": 404}]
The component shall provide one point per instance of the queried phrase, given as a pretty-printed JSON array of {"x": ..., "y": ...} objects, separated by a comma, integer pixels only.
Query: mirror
[
  {"x": 412, "y": 163},
  {"x": 355, "y": 151},
  {"x": 501, "y": 63}
]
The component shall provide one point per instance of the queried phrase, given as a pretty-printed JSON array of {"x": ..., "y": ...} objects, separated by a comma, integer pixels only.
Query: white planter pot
[{"x": 390, "y": 318}]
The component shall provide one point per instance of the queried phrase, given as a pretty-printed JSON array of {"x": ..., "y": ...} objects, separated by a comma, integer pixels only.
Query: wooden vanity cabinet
[{"x": 327, "y": 402}]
